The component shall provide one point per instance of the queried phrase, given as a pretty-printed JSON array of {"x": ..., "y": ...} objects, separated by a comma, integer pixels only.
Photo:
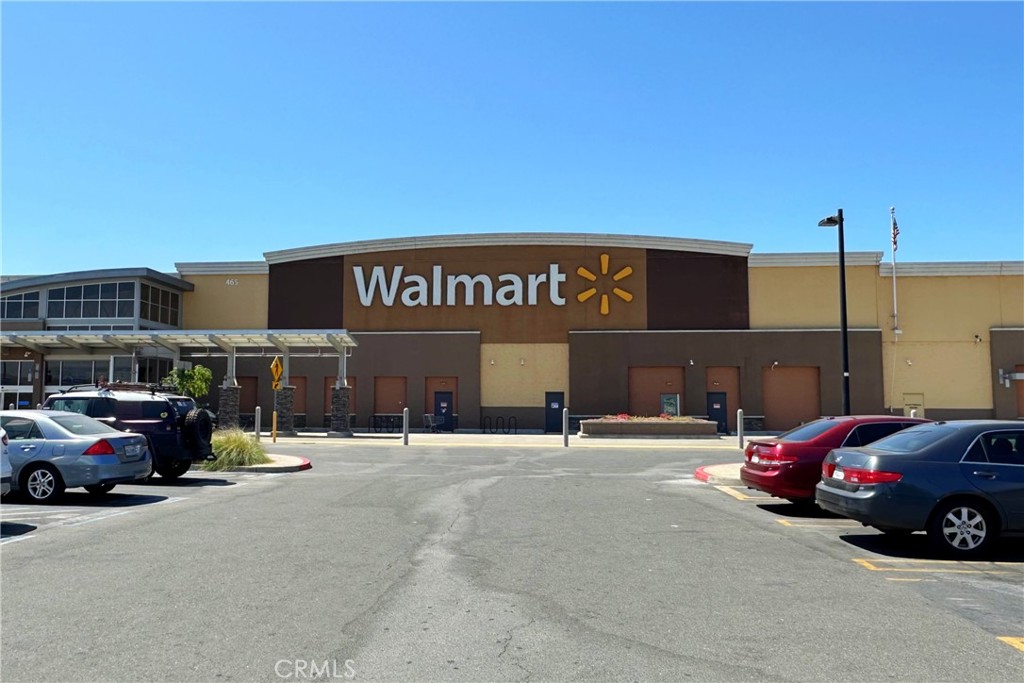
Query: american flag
[{"x": 895, "y": 232}]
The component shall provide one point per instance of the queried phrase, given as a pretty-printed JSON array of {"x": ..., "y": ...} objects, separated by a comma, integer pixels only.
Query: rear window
[
  {"x": 808, "y": 431},
  {"x": 914, "y": 439},
  {"x": 71, "y": 405},
  {"x": 182, "y": 405},
  {"x": 82, "y": 425}
]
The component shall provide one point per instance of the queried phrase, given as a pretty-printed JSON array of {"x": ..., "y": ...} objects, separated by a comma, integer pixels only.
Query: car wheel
[
  {"x": 963, "y": 528},
  {"x": 174, "y": 469},
  {"x": 99, "y": 489},
  {"x": 42, "y": 483}
]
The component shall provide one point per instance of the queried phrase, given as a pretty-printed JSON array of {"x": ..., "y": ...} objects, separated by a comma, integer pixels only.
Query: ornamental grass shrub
[{"x": 235, "y": 448}]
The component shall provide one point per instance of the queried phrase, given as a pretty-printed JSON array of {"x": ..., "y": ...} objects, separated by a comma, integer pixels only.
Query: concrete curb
[
  {"x": 722, "y": 475},
  {"x": 280, "y": 463}
]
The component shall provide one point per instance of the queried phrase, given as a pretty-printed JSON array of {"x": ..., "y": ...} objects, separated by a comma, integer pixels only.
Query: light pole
[{"x": 832, "y": 222}]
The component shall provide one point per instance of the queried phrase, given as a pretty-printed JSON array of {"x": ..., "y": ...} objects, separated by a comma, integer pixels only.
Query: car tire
[
  {"x": 963, "y": 528},
  {"x": 198, "y": 428},
  {"x": 99, "y": 489},
  {"x": 41, "y": 483},
  {"x": 174, "y": 469}
]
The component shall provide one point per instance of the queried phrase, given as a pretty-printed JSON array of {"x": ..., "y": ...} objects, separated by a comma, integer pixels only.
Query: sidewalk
[{"x": 727, "y": 474}]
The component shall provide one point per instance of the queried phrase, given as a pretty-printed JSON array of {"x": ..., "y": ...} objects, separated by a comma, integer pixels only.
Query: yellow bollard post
[{"x": 273, "y": 428}]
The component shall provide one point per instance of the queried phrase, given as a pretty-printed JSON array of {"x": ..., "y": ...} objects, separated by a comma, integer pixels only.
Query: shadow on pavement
[
  {"x": 918, "y": 547},
  {"x": 79, "y": 498},
  {"x": 8, "y": 529},
  {"x": 798, "y": 510},
  {"x": 191, "y": 482}
]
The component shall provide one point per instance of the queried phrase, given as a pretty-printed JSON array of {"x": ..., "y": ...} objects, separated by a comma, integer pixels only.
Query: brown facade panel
[
  {"x": 647, "y": 384},
  {"x": 306, "y": 295},
  {"x": 1008, "y": 357},
  {"x": 599, "y": 365},
  {"x": 389, "y": 395},
  {"x": 792, "y": 396},
  {"x": 694, "y": 291}
]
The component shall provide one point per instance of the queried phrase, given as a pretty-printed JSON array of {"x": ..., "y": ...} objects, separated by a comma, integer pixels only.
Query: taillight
[
  {"x": 827, "y": 468},
  {"x": 101, "y": 447},
  {"x": 855, "y": 475}
]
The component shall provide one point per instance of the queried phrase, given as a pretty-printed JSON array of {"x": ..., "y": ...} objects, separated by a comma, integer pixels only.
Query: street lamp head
[{"x": 829, "y": 222}]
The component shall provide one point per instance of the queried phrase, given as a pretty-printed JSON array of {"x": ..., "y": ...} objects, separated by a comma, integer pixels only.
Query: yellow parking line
[
  {"x": 823, "y": 524},
  {"x": 1013, "y": 642},
  {"x": 739, "y": 495},
  {"x": 872, "y": 566},
  {"x": 898, "y": 578}
]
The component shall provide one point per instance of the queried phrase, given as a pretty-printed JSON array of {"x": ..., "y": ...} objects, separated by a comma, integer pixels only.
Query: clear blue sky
[{"x": 143, "y": 134}]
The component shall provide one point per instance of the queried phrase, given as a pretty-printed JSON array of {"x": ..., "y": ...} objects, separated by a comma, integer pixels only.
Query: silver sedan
[{"x": 51, "y": 450}]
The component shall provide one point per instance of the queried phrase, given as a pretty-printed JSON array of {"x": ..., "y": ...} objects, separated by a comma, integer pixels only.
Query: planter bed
[{"x": 668, "y": 429}]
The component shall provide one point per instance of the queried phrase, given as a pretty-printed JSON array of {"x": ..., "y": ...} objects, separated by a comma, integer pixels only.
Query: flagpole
[{"x": 896, "y": 331}]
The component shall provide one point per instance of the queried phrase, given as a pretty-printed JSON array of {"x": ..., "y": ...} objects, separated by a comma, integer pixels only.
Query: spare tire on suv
[{"x": 179, "y": 433}]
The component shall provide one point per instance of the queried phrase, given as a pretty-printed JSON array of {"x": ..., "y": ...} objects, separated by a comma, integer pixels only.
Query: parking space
[{"x": 20, "y": 521}]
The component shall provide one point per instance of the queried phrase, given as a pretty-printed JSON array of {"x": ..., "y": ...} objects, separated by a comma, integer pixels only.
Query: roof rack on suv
[{"x": 125, "y": 386}]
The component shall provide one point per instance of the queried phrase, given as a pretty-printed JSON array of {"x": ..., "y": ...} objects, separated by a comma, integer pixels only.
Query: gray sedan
[
  {"x": 962, "y": 481},
  {"x": 51, "y": 450}
]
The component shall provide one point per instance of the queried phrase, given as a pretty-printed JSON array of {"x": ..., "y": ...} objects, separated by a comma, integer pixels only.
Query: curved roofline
[
  {"x": 509, "y": 239},
  {"x": 90, "y": 275}
]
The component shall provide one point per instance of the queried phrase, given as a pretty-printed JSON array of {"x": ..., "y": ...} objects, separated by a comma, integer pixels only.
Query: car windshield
[
  {"x": 808, "y": 431},
  {"x": 71, "y": 405},
  {"x": 913, "y": 439},
  {"x": 79, "y": 424},
  {"x": 182, "y": 405}
]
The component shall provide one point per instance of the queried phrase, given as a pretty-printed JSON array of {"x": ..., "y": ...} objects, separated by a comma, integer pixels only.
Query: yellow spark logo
[{"x": 622, "y": 274}]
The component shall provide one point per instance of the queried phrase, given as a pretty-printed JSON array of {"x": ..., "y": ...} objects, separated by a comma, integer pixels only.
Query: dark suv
[{"x": 178, "y": 432}]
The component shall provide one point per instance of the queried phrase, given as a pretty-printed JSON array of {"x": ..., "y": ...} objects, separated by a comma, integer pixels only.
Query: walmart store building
[{"x": 502, "y": 331}]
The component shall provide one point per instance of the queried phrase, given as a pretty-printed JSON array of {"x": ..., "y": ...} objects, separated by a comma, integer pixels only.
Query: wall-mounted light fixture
[
  {"x": 977, "y": 338},
  {"x": 775, "y": 364},
  {"x": 522, "y": 361},
  {"x": 691, "y": 361},
  {"x": 492, "y": 361},
  {"x": 910, "y": 362}
]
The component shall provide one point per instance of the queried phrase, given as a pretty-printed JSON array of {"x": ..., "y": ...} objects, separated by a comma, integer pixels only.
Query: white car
[{"x": 5, "y": 465}]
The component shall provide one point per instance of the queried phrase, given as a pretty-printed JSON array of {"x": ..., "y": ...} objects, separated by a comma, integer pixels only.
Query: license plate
[
  {"x": 838, "y": 474},
  {"x": 132, "y": 449}
]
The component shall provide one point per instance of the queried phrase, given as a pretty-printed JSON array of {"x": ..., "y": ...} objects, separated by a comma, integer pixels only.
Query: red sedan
[{"x": 789, "y": 465}]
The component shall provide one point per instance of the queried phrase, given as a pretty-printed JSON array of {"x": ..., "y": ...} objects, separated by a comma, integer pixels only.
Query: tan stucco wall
[
  {"x": 808, "y": 297},
  {"x": 939, "y": 318},
  {"x": 521, "y": 373},
  {"x": 217, "y": 305}
]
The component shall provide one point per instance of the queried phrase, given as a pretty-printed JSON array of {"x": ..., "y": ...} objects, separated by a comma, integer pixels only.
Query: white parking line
[{"x": 14, "y": 539}]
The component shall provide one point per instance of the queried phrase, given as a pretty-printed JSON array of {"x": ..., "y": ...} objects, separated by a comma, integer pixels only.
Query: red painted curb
[
  {"x": 305, "y": 465},
  {"x": 700, "y": 475}
]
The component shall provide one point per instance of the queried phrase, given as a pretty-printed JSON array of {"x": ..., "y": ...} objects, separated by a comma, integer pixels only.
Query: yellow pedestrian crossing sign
[
  {"x": 275, "y": 385},
  {"x": 276, "y": 368}
]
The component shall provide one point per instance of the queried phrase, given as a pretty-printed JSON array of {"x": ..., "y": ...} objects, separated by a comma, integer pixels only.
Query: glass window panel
[
  {"x": 52, "y": 370},
  {"x": 31, "y": 309},
  {"x": 165, "y": 315},
  {"x": 91, "y": 292},
  {"x": 8, "y": 372},
  {"x": 55, "y": 309},
  {"x": 144, "y": 310},
  {"x": 13, "y": 309},
  {"x": 25, "y": 373},
  {"x": 32, "y": 296},
  {"x": 108, "y": 309},
  {"x": 125, "y": 290},
  {"x": 90, "y": 309},
  {"x": 122, "y": 369},
  {"x": 125, "y": 309},
  {"x": 121, "y": 327},
  {"x": 174, "y": 300},
  {"x": 74, "y": 293},
  {"x": 54, "y": 294},
  {"x": 165, "y": 297},
  {"x": 76, "y": 372},
  {"x": 145, "y": 292},
  {"x": 108, "y": 290},
  {"x": 73, "y": 309}
]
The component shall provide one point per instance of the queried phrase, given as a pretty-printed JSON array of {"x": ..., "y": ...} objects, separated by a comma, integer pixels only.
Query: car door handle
[
  {"x": 985, "y": 475},
  {"x": 28, "y": 447}
]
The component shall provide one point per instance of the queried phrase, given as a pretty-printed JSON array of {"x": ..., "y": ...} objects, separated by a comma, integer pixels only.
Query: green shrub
[{"x": 235, "y": 448}]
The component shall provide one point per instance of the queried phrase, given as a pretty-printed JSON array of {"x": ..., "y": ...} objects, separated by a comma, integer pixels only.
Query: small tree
[{"x": 194, "y": 382}]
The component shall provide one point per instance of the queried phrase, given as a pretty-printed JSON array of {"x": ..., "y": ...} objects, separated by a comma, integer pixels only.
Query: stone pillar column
[
  {"x": 339, "y": 412},
  {"x": 227, "y": 407},
  {"x": 284, "y": 404}
]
